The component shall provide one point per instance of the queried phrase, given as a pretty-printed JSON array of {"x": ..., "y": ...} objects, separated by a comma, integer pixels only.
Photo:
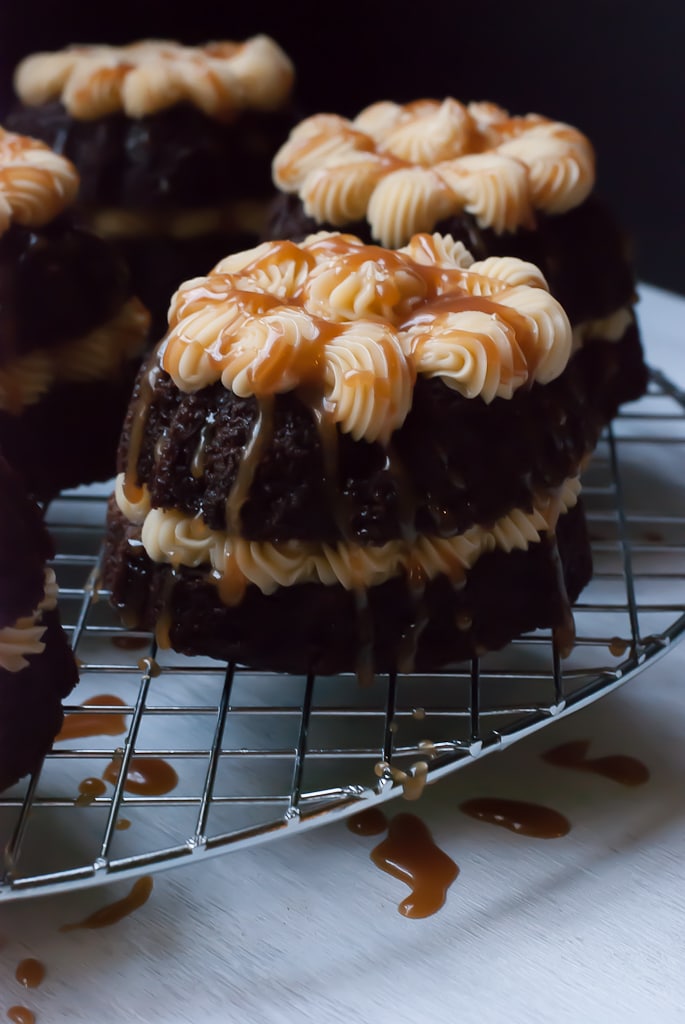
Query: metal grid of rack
[{"x": 248, "y": 756}]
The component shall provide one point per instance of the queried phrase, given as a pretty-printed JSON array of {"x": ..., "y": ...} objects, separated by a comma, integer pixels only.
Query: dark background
[{"x": 615, "y": 70}]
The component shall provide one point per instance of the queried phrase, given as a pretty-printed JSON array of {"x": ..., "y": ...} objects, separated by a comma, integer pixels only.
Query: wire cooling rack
[{"x": 202, "y": 757}]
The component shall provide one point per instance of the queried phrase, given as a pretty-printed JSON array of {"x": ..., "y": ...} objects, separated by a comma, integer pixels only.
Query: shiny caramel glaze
[
  {"x": 115, "y": 912},
  {"x": 409, "y": 854},
  {"x": 79, "y": 726},
  {"x": 519, "y": 816},
  {"x": 30, "y": 973},
  {"x": 146, "y": 776}
]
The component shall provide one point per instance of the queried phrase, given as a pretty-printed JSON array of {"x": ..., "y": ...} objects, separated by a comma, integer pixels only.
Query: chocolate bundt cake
[
  {"x": 347, "y": 458},
  {"x": 71, "y": 334},
  {"x": 37, "y": 668},
  {"x": 504, "y": 186},
  {"x": 173, "y": 144}
]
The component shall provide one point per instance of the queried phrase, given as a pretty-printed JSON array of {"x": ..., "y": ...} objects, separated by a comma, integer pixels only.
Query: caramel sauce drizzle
[
  {"x": 30, "y": 973},
  {"x": 146, "y": 776},
  {"x": 79, "y": 726},
  {"x": 115, "y": 912},
  {"x": 410, "y": 855},
  {"x": 370, "y": 822},
  {"x": 518, "y": 816},
  {"x": 21, "y": 1015},
  {"x": 621, "y": 768}
]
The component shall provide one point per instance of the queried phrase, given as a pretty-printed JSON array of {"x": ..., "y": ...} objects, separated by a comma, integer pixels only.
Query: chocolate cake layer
[
  {"x": 57, "y": 283},
  {"x": 327, "y": 629},
  {"x": 455, "y": 461},
  {"x": 31, "y": 704},
  {"x": 584, "y": 255},
  {"x": 24, "y": 548}
]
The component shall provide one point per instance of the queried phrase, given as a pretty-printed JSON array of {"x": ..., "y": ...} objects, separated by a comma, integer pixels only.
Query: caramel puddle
[
  {"x": 621, "y": 768},
  {"x": 146, "y": 776},
  {"x": 114, "y": 912},
  {"x": 30, "y": 973},
  {"x": 371, "y": 822},
  {"x": 523, "y": 818},
  {"x": 96, "y": 724},
  {"x": 409, "y": 854},
  {"x": 21, "y": 1015}
]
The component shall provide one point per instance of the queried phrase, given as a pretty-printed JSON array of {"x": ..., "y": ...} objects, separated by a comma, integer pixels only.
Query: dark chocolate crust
[
  {"x": 25, "y": 546},
  {"x": 584, "y": 255},
  {"x": 454, "y": 462},
  {"x": 315, "y": 628}
]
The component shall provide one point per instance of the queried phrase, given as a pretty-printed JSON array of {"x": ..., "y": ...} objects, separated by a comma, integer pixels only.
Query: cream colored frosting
[
  {"x": 607, "y": 328},
  {"x": 25, "y": 636},
  {"x": 409, "y": 166},
  {"x": 356, "y": 323},
  {"x": 97, "y": 356},
  {"x": 148, "y": 76},
  {"x": 35, "y": 184},
  {"x": 172, "y": 537}
]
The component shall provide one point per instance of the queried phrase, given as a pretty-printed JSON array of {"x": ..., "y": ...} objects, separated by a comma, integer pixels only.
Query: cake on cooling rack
[
  {"x": 518, "y": 186},
  {"x": 71, "y": 333},
  {"x": 37, "y": 668},
  {"x": 173, "y": 144},
  {"x": 346, "y": 458}
]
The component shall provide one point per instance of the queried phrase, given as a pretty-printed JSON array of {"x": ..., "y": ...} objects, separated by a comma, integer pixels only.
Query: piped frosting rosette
[
  {"x": 35, "y": 184},
  {"x": 407, "y": 167},
  {"x": 354, "y": 324}
]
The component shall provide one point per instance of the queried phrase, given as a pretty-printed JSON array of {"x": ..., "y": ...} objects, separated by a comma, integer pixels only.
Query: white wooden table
[{"x": 589, "y": 927}]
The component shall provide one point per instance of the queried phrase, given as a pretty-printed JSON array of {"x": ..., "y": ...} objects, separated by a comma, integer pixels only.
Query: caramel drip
[
  {"x": 79, "y": 726},
  {"x": 140, "y": 414},
  {"x": 371, "y": 822},
  {"x": 89, "y": 789},
  {"x": 409, "y": 854},
  {"x": 148, "y": 666},
  {"x": 197, "y": 464},
  {"x": 114, "y": 912},
  {"x": 164, "y": 618},
  {"x": 122, "y": 824},
  {"x": 618, "y": 646},
  {"x": 565, "y": 633},
  {"x": 146, "y": 776},
  {"x": 130, "y": 643},
  {"x": 525, "y": 819},
  {"x": 262, "y": 433},
  {"x": 21, "y": 1015},
  {"x": 329, "y": 440},
  {"x": 621, "y": 768},
  {"x": 30, "y": 973}
]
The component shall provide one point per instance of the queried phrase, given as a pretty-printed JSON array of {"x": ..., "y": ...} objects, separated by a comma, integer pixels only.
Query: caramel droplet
[
  {"x": 122, "y": 824},
  {"x": 20, "y": 1015},
  {"x": 621, "y": 768},
  {"x": 371, "y": 822},
  {"x": 78, "y": 726},
  {"x": 409, "y": 854},
  {"x": 146, "y": 776},
  {"x": 89, "y": 789},
  {"x": 114, "y": 912},
  {"x": 30, "y": 973},
  {"x": 523, "y": 818}
]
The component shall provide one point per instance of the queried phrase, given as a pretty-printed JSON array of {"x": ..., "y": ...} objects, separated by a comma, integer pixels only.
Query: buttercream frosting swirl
[
  {"x": 172, "y": 537},
  {"x": 355, "y": 323},
  {"x": 35, "y": 184},
  {"x": 430, "y": 159},
  {"x": 145, "y": 77}
]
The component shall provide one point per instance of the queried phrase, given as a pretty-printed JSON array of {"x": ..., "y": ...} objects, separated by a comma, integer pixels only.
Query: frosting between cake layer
[
  {"x": 25, "y": 637},
  {"x": 406, "y": 167},
  {"x": 145, "y": 77},
  {"x": 35, "y": 184},
  {"x": 354, "y": 324},
  {"x": 172, "y": 537},
  {"x": 97, "y": 356}
]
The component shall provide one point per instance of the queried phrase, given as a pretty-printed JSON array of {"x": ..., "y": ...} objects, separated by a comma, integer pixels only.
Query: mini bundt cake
[
  {"x": 37, "y": 667},
  {"x": 71, "y": 334},
  {"x": 504, "y": 186},
  {"x": 173, "y": 143},
  {"x": 347, "y": 458}
]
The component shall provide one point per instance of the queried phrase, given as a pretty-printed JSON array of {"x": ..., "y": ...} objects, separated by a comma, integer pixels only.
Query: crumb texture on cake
[
  {"x": 145, "y": 77},
  {"x": 36, "y": 184},
  {"x": 406, "y": 167}
]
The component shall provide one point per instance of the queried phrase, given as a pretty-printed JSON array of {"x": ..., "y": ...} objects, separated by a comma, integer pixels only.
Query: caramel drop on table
[
  {"x": 114, "y": 912},
  {"x": 371, "y": 822},
  {"x": 30, "y": 973},
  {"x": 146, "y": 776},
  {"x": 89, "y": 789},
  {"x": 409, "y": 854},
  {"x": 20, "y": 1015},
  {"x": 78, "y": 726},
  {"x": 518, "y": 816},
  {"x": 621, "y": 768}
]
